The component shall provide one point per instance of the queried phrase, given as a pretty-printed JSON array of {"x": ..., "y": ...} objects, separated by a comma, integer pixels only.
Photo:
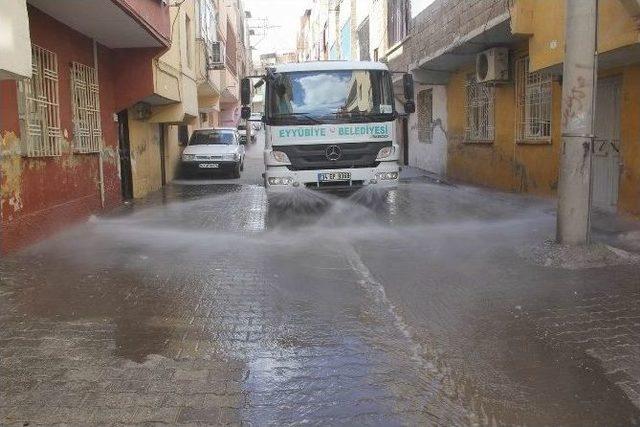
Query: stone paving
[{"x": 191, "y": 308}]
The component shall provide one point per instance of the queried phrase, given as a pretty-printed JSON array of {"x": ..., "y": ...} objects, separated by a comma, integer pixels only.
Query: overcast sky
[{"x": 283, "y": 13}]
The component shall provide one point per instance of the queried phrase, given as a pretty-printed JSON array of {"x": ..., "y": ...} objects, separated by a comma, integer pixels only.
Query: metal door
[{"x": 606, "y": 151}]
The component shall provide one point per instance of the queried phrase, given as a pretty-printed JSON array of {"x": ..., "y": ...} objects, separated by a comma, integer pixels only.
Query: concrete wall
[
  {"x": 441, "y": 24},
  {"x": 172, "y": 152},
  {"x": 41, "y": 195},
  {"x": 15, "y": 42},
  {"x": 378, "y": 28},
  {"x": 629, "y": 194},
  {"x": 501, "y": 164},
  {"x": 175, "y": 70},
  {"x": 144, "y": 138},
  {"x": 545, "y": 20},
  {"x": 533, "y": 167},
  {"x": 431, "y": 156}
]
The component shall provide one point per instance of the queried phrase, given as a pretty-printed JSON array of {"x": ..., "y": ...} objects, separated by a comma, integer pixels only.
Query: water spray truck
[{"x": 329, "y": 124}]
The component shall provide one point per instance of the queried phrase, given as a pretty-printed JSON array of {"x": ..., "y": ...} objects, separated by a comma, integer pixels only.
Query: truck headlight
[
  {"x": 385, "y": 152},
  {"x": 280, "y": 157},
  {"x": 188, "y": 157}
]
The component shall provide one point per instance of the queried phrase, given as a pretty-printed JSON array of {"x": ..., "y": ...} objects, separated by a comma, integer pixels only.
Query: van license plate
[
  {"x": 334, "y": 176},
  {"x": 209, "y": 165}
]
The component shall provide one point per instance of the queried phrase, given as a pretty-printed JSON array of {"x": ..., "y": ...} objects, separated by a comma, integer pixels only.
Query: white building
[{"x": 15, "y": 41}]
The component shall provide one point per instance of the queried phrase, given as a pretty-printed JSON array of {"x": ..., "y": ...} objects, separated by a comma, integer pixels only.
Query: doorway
[
  {"x": 124, "y": 149},
  {"x": 606, "y": 149},
  {"x": 163, "y": 168}
]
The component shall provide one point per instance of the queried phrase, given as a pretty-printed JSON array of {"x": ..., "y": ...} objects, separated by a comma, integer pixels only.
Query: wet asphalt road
[{"x": 202, "y": 305}]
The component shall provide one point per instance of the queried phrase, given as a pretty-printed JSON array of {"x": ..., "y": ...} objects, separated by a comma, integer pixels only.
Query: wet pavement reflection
[{"x": 208, "y": 303}]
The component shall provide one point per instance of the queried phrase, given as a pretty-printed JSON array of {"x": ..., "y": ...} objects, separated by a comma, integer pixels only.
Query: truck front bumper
[{"x": 281, "y": 179}]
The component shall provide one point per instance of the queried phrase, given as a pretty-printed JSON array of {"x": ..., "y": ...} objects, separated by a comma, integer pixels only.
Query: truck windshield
[
  {"x": 331, "y": 96},
  {"x": 211, "y": 137}
]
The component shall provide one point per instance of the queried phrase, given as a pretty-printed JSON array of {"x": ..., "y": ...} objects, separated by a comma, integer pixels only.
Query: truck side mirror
[
  {"x": 245, "y": 91},
  {"x": 407, "y": 84},
  {"x": 245, "y": 112}
]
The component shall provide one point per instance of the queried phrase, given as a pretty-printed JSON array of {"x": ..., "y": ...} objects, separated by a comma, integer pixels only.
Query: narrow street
[{"x": 421, "y": 308}]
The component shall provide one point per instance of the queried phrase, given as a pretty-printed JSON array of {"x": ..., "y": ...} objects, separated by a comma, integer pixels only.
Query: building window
[
  {"x": 425, "y": 115},
  {"x": 39, "y": 108},
  {"x": 479, "y": 111},
  {"x": 85, "y": 99},
  {"x": 398, "y": 14},
  {"x": 533, "y": 103},
  {"x": 189, "y": 36}
]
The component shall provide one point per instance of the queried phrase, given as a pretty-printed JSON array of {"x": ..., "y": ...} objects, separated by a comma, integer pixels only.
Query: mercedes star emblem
[{"x": 333, "y": 153}]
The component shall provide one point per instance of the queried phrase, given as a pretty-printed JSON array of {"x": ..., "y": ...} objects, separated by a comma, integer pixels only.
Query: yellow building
[
  {"x": 505, "y": 132},
  {"x": 153, "y": 124}
]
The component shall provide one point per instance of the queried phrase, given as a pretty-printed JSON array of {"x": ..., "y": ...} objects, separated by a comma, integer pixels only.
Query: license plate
[
  {"x": 209, "y": 166},
  {"x": 334, "y": 176}
]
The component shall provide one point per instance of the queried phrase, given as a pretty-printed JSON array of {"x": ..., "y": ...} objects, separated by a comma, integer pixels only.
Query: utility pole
[{"x": 578, "y": 94}]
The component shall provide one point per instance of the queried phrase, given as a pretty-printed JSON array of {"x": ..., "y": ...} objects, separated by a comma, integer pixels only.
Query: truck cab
[{"x": 330, "y": 125}]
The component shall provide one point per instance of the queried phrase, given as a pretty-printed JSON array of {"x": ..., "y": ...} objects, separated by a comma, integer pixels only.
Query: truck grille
[{"x": 352, "y": 155}]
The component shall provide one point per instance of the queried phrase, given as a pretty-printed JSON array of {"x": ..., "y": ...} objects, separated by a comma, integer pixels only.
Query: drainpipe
[
  {"x": 100, "y": 159},
  {"x": 578, "y": 93}
]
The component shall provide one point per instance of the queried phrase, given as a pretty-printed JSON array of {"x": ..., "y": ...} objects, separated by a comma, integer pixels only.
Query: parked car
[
  {"x": 214, "y": 149},
  {"x": 244, "y": 134},
  {"x": 256, "y": 121}
]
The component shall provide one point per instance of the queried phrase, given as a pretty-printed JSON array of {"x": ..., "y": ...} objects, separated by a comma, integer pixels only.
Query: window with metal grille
[
  {"x": 39, "y": 108},
  {"x": 533, "y": 103},
  {"x": 425, "y": 115},
  {"x": 216, "y": 55},
  {"x": 85, "y": 98},
  {"x": 479, "y": 111}
]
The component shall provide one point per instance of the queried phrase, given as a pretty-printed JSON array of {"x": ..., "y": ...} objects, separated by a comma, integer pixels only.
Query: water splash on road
[{"x": 271, "y": 282}]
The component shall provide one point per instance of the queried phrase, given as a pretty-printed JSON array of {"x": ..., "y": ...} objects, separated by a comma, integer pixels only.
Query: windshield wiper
[{"x": 305, "y": 115}]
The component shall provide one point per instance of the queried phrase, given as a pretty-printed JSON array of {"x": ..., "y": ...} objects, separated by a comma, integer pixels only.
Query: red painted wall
[
  {"x": 57, "y": 191},
  {"x": 134, "y": 76},
  {"x": 152, "y": 14}
]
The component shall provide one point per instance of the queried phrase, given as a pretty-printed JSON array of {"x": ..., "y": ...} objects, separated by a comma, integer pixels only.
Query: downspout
[{"x": 100, "y": 159}]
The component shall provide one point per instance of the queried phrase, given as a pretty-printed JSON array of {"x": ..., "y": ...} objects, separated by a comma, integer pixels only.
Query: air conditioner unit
[
  {"x": 215, "y": 56},
  {"x": 492, "y": 65}
]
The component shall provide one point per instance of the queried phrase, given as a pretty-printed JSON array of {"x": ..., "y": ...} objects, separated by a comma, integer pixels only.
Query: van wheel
[{"x": 236, "y": 170}]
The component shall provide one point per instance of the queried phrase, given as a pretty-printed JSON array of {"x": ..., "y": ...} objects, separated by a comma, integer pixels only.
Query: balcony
[
  {"x": 113, "y": 23},
  {"x": 209, "y": 72}
]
